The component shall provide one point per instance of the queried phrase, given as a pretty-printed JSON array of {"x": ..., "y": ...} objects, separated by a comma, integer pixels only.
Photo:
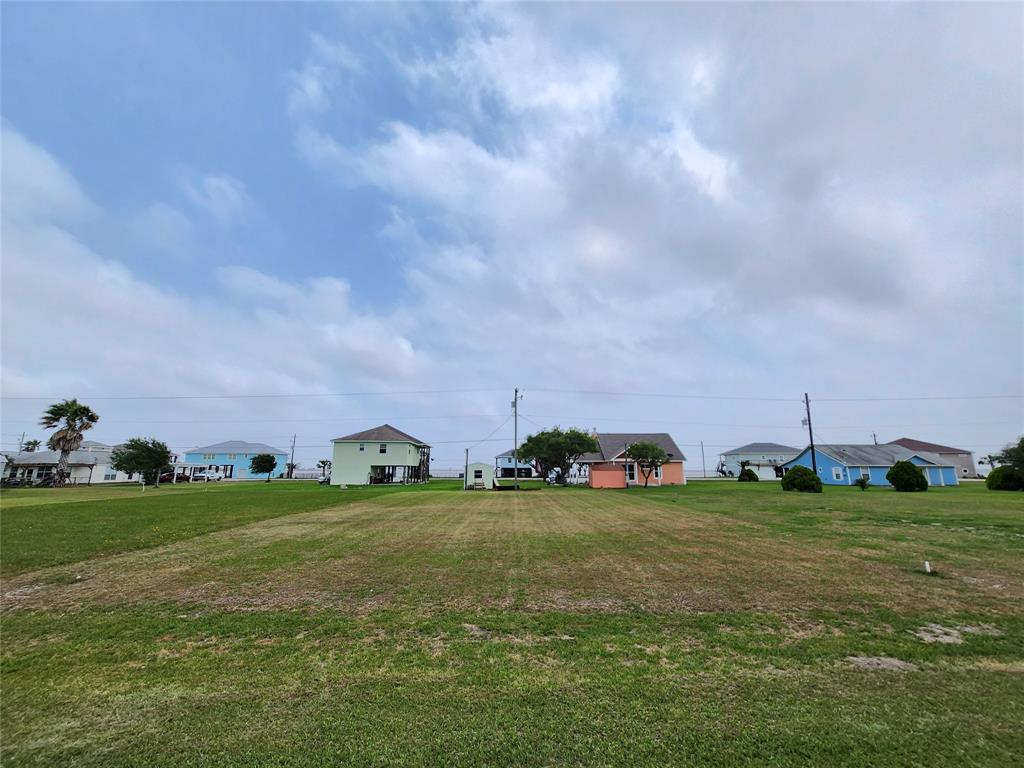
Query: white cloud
[
  {"x": 221, "y": 196},
  {"x": 309, "y": 86}
]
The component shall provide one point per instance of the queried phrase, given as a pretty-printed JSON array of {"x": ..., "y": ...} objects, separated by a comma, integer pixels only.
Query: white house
[
  {"x": 505, "y": 465},
  {"x": 766, "y": 459},
  {"x": 379, "y": 455},
  {"x": 89, "y": 465},
  {"x": 478, "y": 476}
]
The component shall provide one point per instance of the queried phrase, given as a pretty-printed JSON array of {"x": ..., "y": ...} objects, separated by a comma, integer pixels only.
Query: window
[
  {"x": 232, "y": 456},
  {"x": 383, "y": 448},
  {"x": 478, "y": 474},
  {"x": 837, "y": 473},
  {"x": 631, "y": 473},
  {"x": 362, "y": 446},
  {"x": 209, "y": 456},
  {"x": 865, "y": 473},
  {"x": 110, "y": 474},
  {"x": 657, "y": 472}
]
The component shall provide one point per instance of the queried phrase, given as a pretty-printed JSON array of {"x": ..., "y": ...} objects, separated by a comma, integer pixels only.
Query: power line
[{"x": 260, "y": 396}]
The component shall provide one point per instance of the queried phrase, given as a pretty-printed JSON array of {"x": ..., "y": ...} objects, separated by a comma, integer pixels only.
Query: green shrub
[
  {"x": 801, "y": 479},
  {"x": 748, "y": 475},
  {"x": 862, "y": 483},
  {"x": 1004, "y": 479},
  {"x": 906, "y": 476}
]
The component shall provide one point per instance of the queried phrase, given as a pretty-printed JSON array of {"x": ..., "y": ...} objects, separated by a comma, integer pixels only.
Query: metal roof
[
  {"x": 853, "y": 455},
  {"x": 762, "y": 448},
  {"x": 612, "y": 444},
  {"x": 385, "y": 433},
  {"x": 45, "y": 458},
  {"x": 921, "y": 445},
  {"x": 237, "y": 446}
]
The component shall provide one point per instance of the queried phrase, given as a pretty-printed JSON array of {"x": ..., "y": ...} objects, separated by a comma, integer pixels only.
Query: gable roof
[
  {"x": 921, "y": 445},
  {"x": 854, "y": 455},
  {"x": 385, "y": 433},
  {"x": 237, "y": 446},
  {"x": 44, "y": 458},
  {"x": 612, "y": 444},
  {"x": 762, "y": 448}
]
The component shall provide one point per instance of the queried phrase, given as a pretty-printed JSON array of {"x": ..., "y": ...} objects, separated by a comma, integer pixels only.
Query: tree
[
  {"x": 906, "y": 476},
  {"x": 324, "y": 465},
  {"x": 556, "y": 450},
  {"x": 148, "y": 457},
  {"x": 71, "y": 419},
  {"x": 31, "y": 446},
  {"x": 648, "y": 457},
  {"x": 1009, "y": 476},
  {"x": 801, "y": 479},
  {"x": 747, "y": 475},
  {"x": 262, "y": 463},
  {"x": 290, "y": 469}
]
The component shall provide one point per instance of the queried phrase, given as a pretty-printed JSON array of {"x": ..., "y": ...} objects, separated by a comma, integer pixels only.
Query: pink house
[{"x": 609, "y": 468}]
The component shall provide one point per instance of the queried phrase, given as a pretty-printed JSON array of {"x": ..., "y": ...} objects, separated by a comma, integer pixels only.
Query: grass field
[{"x": 713, "y": 624}]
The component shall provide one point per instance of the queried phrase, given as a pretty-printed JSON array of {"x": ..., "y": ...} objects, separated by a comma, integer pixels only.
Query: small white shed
[{"x": 479, "y": 476}]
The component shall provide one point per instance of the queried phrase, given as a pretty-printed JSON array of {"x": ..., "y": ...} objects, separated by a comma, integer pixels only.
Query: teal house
[
  {"x": 843, "y": 464},
  {"x": 233, "y": 457}
]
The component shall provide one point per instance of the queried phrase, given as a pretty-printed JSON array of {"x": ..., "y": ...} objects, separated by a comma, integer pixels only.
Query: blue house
[
  {"x": 233, "y": 457},
  {"x": 505, "y": 465},
  {"x": 842, "y": 464}
]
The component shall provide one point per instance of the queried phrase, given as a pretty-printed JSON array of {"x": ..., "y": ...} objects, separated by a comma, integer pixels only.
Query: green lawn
[{"x": 713, "y": 624}]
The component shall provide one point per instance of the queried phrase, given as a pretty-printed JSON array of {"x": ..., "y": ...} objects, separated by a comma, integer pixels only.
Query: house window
[
  {"x": 383, "y": 448},
  {"x": 837, "y": 473},
  {"x": 110, "y": 474},
  {"x": 232, "y": 456},
  {"x": 478, "y": 474},
  {"x": 362, "y": 446},
  {"x": 631, "y": 473},
  {"x": 657, "y": 472},
  {"x": 208, "y": 456},
  {"x": 865, "y": 473}
]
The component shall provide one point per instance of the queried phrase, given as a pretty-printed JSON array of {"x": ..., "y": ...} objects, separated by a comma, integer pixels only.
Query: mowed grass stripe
[{"x": 36, "y": 535}]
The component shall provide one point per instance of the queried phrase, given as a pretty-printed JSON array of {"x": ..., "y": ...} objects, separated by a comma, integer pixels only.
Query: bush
[
  {"x": 1004, "y": 479},
  {"x": 801, "y": 479},
  {"x": 862, "y": 483},
  {"x": 748, "y": 475},
  {"x": 906, "y": 476}
]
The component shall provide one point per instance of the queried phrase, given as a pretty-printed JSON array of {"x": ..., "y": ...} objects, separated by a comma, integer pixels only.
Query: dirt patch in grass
[{"x": 881, "y": 663}]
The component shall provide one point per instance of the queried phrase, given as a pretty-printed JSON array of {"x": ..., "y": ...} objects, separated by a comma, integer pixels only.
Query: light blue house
[
  {"x": 843, "y": 464},
  {"x": 505, "y": 465},
  {"x": 233, "y": 457}
]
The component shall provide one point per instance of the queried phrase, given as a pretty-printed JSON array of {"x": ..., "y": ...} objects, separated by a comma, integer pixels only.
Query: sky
[{"x": 253, "y": 221}]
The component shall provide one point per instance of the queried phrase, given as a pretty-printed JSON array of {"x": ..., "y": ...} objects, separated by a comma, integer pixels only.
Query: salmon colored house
[{"x": 609, "y": 467}]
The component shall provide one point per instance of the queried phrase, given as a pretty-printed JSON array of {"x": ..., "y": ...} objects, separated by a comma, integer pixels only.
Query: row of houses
[
  {"x": 842, "y": 464},
  {"x": 90, "y": 464},
  {"x": 385, "y": 455}
]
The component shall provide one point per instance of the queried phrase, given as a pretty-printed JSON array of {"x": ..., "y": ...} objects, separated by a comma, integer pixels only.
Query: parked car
[
  {"x": 207, "y": 476},
  {"x": 168, "y": 477}
]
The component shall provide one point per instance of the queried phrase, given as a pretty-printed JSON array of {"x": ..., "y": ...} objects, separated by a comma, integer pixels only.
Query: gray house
[
  {"x": 960, "y": 458},
  {"x": 766, "y": 459}
]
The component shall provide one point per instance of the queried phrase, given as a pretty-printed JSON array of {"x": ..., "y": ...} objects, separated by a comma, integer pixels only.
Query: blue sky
[{"x": 749, "y": 200}]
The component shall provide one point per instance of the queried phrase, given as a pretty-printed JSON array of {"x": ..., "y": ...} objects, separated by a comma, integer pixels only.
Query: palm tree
[
  {"x": 31, "y": 446},
  {"x": 324, "y": 465},
  {"x": 71, "y": 419}
]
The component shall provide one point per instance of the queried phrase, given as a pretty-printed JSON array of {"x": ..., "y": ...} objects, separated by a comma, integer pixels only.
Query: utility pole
[
  {"x": 810, "y": 433},
  {"x": 21, "y": 442},
  {"x": 515, "y": 436},
  {"x": 703, "y": 466},
  {"x": 874, "y": 437},
  {"x": 465, "y": 474},
  {"x": 291, "y": 463}
]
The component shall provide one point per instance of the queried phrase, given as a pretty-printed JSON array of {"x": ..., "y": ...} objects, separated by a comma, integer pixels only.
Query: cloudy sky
[{"x": 730, "y": 205}]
